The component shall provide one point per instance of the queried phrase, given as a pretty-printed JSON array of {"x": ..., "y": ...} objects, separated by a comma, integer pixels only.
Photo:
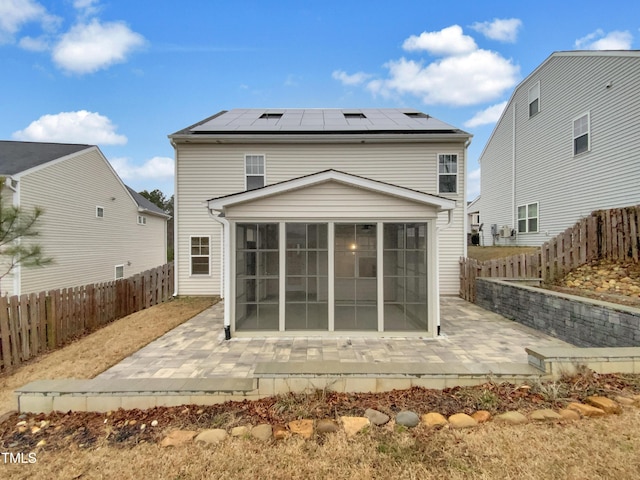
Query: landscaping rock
[
  {"x": 461, "y": 420},
  {"x": 177, "y": 438},
  {"x": 376, "y": 417},
  {"x": 604, "y": 403},
  {"x": 481, "y": 416},
  {"x": 239, "y": 431},
  {"x": 353, "y": 425},
  {"x": 625, "y": 401},
  {"x": 262, "y": 432},
  {"x": 513, "y": 418},
  {"x": 586, "y": 410},
  {"x": 326, "y": 426},
  {"x": 213, "y": 436},
  {"x": 433, "y": 419},
  {"x": 545, "y": 415},
  {"x": 407, "y": 419},
  {"x": 567, "y": 414},
  {"x": 304, "y": 428},
  {"x": 280, "y": 432}
]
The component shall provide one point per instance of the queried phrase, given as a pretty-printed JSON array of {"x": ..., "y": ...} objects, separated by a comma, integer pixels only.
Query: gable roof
[
  {"x": 16, "y": 157},
  {"x": 356, "y": 181},
  {"x": 145, "y": 204},
  {"x": 297, "y": 121}
]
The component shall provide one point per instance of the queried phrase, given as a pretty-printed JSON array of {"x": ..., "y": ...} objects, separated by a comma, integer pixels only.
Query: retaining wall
[{"x": 580, "y": 321}]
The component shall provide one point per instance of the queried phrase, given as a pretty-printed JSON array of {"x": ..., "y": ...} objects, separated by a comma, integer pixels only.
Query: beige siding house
[
  {"x": 321, "y": 220},
  {"x": 94, "y": 227},
  {"x": 567, "y": 144}
]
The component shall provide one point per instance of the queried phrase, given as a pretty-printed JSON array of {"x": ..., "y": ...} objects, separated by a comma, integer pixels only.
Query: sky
[{"x": 124, "y": 74}]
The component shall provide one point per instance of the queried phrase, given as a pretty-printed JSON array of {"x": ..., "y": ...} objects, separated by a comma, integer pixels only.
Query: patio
[{"x": 471, "y": 337}]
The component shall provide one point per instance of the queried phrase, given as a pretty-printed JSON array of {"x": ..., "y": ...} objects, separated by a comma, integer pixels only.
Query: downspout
[
  {"x": 175, "y": 220},
  {"x": 513, "y": 170},
  {"x": 226, "y": 269}
]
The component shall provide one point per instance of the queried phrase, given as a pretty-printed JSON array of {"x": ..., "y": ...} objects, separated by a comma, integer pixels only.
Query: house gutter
[{"x": 226, "y": 268}]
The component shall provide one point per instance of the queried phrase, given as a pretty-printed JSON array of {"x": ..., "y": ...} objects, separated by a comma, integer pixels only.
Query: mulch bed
[{"x": 124, "y": 428}]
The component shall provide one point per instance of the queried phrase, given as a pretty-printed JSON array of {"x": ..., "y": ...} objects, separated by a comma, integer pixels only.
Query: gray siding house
[
  {"x": 321, "y": 220},
  {"x": 94, "y": 227},
  {"x": 567, "y": 143}
]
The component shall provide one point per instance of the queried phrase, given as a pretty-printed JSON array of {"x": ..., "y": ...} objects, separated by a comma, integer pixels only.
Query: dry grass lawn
[
  {"x": 489, "y": 253},
  {"x": 603, "y": 448},
  {"x": 93, "y": 354}
]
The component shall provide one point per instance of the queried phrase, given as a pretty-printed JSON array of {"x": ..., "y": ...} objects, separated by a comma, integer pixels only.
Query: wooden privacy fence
[
  {"x": 33, "y": 323},
  {"x": 612, "y": 234}
]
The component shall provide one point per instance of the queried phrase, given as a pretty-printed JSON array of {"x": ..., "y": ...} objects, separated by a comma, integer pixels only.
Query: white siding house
[
  {"x": 567, "y": 144},
  {"x": 94, "y": 227},
  {"x": 321, "y": 219}
]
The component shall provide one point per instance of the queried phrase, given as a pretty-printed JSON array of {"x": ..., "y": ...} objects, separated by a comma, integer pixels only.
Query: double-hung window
[
  {"x": 534, "y": 99},
  {"x": 200, "y": 256},
  {"x": 581, "y": 134},
  {"x": 447, "y": 173},
  {"x": 528, "y": 218},
  {"x": 254, "y": 171}
]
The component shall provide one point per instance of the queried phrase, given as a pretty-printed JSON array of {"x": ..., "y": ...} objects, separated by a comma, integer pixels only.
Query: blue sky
[{"x": 123, "y": 74}]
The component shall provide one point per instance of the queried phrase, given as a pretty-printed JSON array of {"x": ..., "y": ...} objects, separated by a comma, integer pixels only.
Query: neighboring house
[
  {"x": 93, "y": 227},
  {"x": 473, "y": 222},
  {"x": 321, "y": 219},
  {"x": 567, "y": 143}
]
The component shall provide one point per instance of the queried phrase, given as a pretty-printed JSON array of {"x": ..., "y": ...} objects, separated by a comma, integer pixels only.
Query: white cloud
[
  {"x": 72, "y": 127},
  {"x": 448, "y": 41},
  {"x": 474, "y": 78},
  {"x": 34, "y": 44},
  {"x": 502, "y": 29},
  {"x": 616, "y": 40},
  {"x": 157, "y": 168},
  {"x": 488, "y": 115},
  {"x": 14, "y": 14},
  {"x": 89, "y": 47},
  {"x": 353, "y": 79}
]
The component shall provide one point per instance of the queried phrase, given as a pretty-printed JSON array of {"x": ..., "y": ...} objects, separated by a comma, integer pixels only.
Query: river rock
[
  {"x": 376, "y": 417},
  {"x": 304, "y": 428},
  {"x": 353, "y": 425},
  {"x": 262, "y": 432},
  {"x": 433, "y": 419},
  {"x": 213, "y": 436},
  {"x": 407, "y": 419},
  {"x": 462, "y": 420}
]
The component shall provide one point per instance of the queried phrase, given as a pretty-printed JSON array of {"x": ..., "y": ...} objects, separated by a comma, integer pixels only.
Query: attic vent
[
  {"x": 353, "y": 115},
  {"x": 416, "y": 115},
  {"x": 271, "y": 116}
]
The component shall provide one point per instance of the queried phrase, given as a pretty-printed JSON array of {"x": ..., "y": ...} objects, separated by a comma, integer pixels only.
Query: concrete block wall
[{"x": 580, "y": 321}]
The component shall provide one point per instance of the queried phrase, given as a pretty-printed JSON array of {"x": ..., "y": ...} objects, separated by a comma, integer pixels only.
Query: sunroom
[{"x": 330, "y": 253}]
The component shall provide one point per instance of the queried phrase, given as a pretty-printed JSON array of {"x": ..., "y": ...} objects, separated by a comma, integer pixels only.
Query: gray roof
[
  {"x": 145, "y": 203},
  {"x": 16, "y": 157},
  {"x": 319, "y": 120}
]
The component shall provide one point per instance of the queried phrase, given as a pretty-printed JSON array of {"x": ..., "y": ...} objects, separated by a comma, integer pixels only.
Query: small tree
[{"x": 17, "y": 224}]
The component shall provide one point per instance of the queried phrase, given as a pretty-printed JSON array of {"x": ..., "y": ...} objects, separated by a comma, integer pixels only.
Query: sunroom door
[{"x": 355, "y": 282}]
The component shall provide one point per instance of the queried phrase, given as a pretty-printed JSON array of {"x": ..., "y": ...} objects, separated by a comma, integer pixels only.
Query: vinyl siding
[
  {"x": 86, "y": 249},
  {"x": 569, "y": 187},
  {"x": 209, "y": 171}
]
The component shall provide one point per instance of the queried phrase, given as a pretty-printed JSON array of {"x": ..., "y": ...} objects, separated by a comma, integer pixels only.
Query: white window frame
[
  {"x": 191, "y": 256},
  {"x": 533, "y": 95},
  {"x": 142, "y": 220},
  {"x": 587, "y": 133},
  {"x": 444, "y": 173},
  {"x": 99, "y": 211},
  {"x": 116, "y": 272},
  {"x": 264, "y": 168},
  {"x": 526, "y": 218}
]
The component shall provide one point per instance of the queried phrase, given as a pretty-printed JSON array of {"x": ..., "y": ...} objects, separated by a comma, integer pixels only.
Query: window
[
  {"x": 528, "y": 218},
  {"x": 254, "y": 171},
  {"x": 142, "y": 220},
  {"x": 416, "y": 115},
  {"x": 353, "y": 115},
  {"x": 271, "y": 116},
  {"x": 199, "y": 255},
  {"x": 447, "y": 173},
  {"x": 119, "y": 272},
  {"x": 581, "y": 127},
  {"x": 534, "y": 100},
  {"x": 99, "y": 212}
]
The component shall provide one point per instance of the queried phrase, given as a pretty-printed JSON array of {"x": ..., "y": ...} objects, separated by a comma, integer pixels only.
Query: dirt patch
[{"x": 605, "y": 280}]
